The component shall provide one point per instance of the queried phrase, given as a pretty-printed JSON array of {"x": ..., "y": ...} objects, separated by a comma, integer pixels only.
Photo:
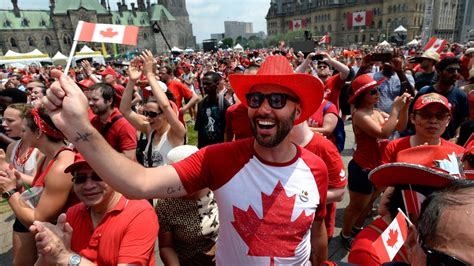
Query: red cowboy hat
[
  {"x": 363, "y": 83},
  {"x": 428, "y": 165},
  {"x": 277, "y": 70}
]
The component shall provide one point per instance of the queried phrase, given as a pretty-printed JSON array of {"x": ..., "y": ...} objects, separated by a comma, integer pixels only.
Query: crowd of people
[{"x": 97, "y": 166}]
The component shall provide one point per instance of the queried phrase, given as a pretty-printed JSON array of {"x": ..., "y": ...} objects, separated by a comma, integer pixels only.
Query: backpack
[{"x": 339, "y": 133}]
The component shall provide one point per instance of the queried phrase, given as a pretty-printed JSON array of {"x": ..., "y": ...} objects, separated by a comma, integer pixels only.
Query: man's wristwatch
[
  {"x": 74, "y": 260},
  {"x": 7, "y": 194}
]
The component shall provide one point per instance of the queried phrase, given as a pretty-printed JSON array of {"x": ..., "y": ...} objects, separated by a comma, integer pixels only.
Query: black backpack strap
[{"x": 107, "y": 126}]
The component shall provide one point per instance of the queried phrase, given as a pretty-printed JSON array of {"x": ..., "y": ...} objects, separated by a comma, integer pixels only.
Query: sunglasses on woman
[
  {"x": 275, "y": 100},
  {"x": 374, "y": 91},
  {"x": 452, "y": 70},
  {"x": 152, "y": 114},
  {"x": 81, "y": 178}
]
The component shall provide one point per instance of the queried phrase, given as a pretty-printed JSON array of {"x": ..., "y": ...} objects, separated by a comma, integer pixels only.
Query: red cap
[
  {"x": 108, "y": 70},
  {"x": 85, "y": 83},
  {"x": 25, "y": 79},
  {"x": 432, "y": 98},
  {"x": 363, "y": 83},
  {"x": 78, "y": 163}
]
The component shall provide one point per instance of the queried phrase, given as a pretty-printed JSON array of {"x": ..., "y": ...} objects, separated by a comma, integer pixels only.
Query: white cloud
[{"x": 206, "y": 16}]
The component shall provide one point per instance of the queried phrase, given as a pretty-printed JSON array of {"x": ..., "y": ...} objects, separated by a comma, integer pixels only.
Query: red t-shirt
[
  {"x": 397, "y": 145},
  {"x": 362, "y": 250},
  {"x": 237, "y": 122},
  {"x": 337, "y": 178},
  {"x": 126, "y": 234},
  {"x": 333, "y": 86},
  {"x": 119, "y": 89},
  {"x": 317, "y": 119},
  {"x": 179, "y": 91},
  {"x": 121, "y": 135},
  {"x": 265, "y": 209}
]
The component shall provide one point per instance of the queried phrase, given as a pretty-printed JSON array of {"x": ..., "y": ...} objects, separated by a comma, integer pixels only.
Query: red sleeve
[
  {"x": 138, "y": 243},
  {"x": 334, "y": 84},
  {"x": 127, "y": 135},
  {"x": 184, "y": 91},
  {"x": 229, "y": 131},
  {"x": 320, "y": 173},
  {"x": 332, "y": 109},
  {"x": 389, "y": 154}
]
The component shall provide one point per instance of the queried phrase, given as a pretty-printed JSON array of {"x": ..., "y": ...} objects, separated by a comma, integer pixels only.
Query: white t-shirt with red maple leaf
[{"x": 265, "y": 209}]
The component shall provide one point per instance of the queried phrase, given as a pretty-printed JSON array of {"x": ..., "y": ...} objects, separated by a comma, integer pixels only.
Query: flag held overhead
[{"x": 106, "y": 33}]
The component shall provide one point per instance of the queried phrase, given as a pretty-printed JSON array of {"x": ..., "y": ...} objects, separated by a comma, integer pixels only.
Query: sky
[{"x": 207, "y": 16}]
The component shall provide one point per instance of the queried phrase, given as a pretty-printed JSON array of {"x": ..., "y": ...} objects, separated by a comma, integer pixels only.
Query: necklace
[{"x": 21, "y": 160}]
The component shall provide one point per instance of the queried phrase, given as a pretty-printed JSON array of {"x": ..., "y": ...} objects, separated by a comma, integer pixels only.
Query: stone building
[
  {"x": 378, "y": 19},
  {"x": 53, "y": 30}
]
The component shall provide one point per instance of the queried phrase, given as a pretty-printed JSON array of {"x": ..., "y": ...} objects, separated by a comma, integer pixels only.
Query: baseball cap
[
  {"x": 78, "y": 163},
  {"x": 432, "y": 98}
]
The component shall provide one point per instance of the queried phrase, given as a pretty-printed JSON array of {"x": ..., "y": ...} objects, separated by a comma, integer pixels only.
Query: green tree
[{"x": 228, "y": 42}]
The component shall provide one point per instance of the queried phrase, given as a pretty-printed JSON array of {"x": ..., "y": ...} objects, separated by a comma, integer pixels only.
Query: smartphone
[
  {"x": 317, "y": 57},
  {"x": 384, "y": 57}
]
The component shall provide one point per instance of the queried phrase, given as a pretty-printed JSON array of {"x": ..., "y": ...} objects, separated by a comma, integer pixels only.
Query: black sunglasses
[
  {"x": 452, "y": 70},
  {"x": 275, "y": 100},
  {"x": 374, "y": 91},
  {"x": 438, "y": 258},
  {"x": 152, "y": 114},
  {"x": 81, "y": 178}
]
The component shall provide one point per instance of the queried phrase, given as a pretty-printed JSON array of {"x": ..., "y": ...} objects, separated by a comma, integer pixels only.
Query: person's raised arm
[
  {"x": 138, "y": 122},
  {"x": 67, "y": 106},
  {"x": 303, "y": 67},
  {"x": 178, "y": 131},
  {"x": 405, "y": 85},
  {"x": 340, "y": 67},
  {"x": 89, "y": 71}
]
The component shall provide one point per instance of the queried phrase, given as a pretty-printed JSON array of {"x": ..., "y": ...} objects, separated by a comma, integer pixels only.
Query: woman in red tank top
[
  {"x": 370, "y": 125},
  {"x": 57, "y": 193}
]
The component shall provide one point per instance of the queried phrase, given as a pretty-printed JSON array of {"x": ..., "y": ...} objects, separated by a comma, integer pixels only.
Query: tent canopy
[
  {"x": 384, "y": 44},
  {"x": 176, "y": 49},
  {"x": 238, "y": 47},
  {"x": 414, "y": 42},
  {"x": 33, "y": 57},
  {"x": 59, "y": 59},
  {"x": 400, "y": 29},
  {"x": 87, "y": 52}
]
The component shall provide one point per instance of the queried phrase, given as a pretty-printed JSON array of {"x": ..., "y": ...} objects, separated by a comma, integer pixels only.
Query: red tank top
[
  {"x": 39, "y": 179},
  {"x": 367, "y": 154}
]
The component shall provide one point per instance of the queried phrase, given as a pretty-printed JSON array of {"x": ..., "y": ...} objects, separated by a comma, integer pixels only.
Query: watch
[
  {"x": 7, "y": 194},
  {"x": 74, "y": 260}
]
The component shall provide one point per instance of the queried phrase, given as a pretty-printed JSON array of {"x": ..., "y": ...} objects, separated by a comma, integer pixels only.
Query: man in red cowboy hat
[
  {"x": 430, "y": 116},
  {"x": 105, "y": 228},
  {"x": 270, "y": 192}
]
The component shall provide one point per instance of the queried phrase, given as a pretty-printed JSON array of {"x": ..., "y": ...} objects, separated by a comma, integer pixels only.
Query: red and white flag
[
  {"x": 106, "y": 33},
  {"x": 435, "y": 44},
  {"x": 296, "y": 24},
  {"x": 412, "y": 201},
  {"x": 361, "y": 18},
  {"x": 326, "y": 39},
  {"x": 391, "y": 240}
]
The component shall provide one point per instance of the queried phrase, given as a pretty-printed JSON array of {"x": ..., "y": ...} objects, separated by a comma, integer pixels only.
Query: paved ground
[{"x": 336, "y": 251}]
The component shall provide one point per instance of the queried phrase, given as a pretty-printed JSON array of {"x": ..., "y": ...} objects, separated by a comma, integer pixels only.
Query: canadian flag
[
  {"x": 435, "y": 44},
  {"x": 391, "y": 240},
  {"x": 326, "y": 39},
  {"x": 296, "y": 24},
  {"x": 412, "y": 201},
  {"x": 106, "y": 33},
  {"x": 360, "y": 18}
]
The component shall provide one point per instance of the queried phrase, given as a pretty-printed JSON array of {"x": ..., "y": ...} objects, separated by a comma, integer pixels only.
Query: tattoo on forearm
[
  {"x": 83, "y": 137},
  {"x": 172, "y": 190}
]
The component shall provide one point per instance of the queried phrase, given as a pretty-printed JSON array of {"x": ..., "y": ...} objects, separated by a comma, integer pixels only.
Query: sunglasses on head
[
  {"x": 374, "y": 91},
  {"x": 275, "y": 100},
  {"x": 452, "y": 70},
  {"x": 438, "y": 258},
  {"x": 152, "y": 114},
  {"x": 81, "y": 178}
]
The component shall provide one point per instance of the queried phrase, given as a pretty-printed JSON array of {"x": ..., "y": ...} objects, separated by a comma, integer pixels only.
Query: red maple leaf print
[
  {"x": 392, "y": 237},
  {"x": 297, "y": 25},
  {"x": 275, "y": 235},
  {"x": 359, "y": 18},
  {"x": 109, "y": 33}
]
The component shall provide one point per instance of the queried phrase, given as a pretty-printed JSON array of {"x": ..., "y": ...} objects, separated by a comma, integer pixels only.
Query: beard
[{"x": 283, "y": 128}]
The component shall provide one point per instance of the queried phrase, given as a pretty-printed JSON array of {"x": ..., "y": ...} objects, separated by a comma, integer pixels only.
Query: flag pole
[
  {"x": 406, "y": 218},
  {"x": 71, "y": 55}
]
